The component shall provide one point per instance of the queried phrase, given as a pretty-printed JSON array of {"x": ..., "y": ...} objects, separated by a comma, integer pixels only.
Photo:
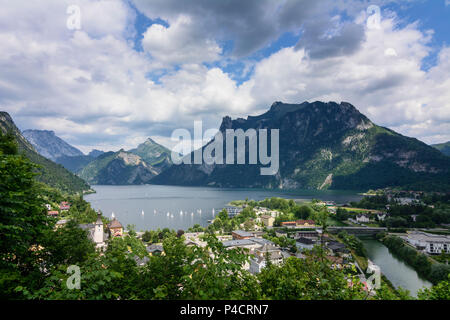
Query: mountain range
[
  {"x": 324, "y": 146},
  {"x": 443, "y": 147}
]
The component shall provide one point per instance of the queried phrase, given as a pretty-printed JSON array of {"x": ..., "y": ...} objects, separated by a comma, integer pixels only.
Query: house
[
  {"x": 261, "y": 254},
  {"x": 430, "y": 243},
  {"x": 241, "y": 235},
  {"x": 262, "y": 241},
  {"x": 337, "y": 247},
  {"x": 304, "y": 243},
  {"x": 64, "y": 206},
  {"x": 193, "y": 239},
  {"x": 362, "y": 218},
  {"x": 243, "y": 243},
  {"x": 305, "y": 223},
  {"x": 310, "y": 234},
  {"x": 48, "y": 206},
  {"x": 155, "y": 249},
  {"x": 267, "y": 220},
  {"x": 61, "y": 223},
  {"x": 289, "y": 224},
  {"x": 53, "y": 213},
  {"x": 96, "y": 232},
  {"x": 115, "y": 227}
]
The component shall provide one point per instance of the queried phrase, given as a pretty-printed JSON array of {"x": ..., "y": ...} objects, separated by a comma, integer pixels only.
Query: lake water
[
  {"x": 398, "y": 272},
  {"x": 128, "y": 202}
]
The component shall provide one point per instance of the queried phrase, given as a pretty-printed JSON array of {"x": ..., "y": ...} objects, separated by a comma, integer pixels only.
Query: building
[
  {"x": 362, "y": 218},
  {"x": 64, "y": 206},
  {"x": 261, "y": 254},
  {"x": 96, "y": 232},
  {"x": 305, "y": 223},
  {"x": 241, "y": 235},
  {"x": 48, "y": 206},
  {"x": 244, "y": 243},
  {"x": 337, "y": 247},
  {"x": 53, "y": 213},
  {"x": 115, "y": 227},
  {"x": 155, "y": 249},
  {"x": 305, "y": 243},
  {"x": 289, "y": 224},
  {"x": 61, "y": 223},
  {"x": 310, "y": 234},
  {"x": 430, "y": 243},
  {"x": 193, "y": 239},
  {"x": 267, "y": 220}
]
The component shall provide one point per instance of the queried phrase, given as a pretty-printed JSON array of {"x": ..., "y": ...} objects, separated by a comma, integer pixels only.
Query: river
[
  {"x": 397, "y": 271},
  {"x": 184, "y": 203}
]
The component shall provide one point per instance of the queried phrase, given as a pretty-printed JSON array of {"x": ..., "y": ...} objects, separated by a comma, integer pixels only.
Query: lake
[
  {"x": 397, "y": 271},
  {"x": 183, "y": 204}
]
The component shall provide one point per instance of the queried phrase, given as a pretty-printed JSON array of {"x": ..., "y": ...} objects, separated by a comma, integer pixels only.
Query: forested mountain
[{"x": 50, "y": 173}]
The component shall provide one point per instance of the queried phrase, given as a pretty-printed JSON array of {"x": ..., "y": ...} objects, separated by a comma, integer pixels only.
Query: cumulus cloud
[{"x": 96, "y": 91}]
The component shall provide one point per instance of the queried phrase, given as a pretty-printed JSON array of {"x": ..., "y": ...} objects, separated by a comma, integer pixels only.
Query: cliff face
[
  {"x": 118, "y": 168},
  {"x": 323, "y": 145},
  {"x": 49, "y": 145}
]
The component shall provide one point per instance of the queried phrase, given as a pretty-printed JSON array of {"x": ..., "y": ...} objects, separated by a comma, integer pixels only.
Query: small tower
[{"x": 98, "y": 230}]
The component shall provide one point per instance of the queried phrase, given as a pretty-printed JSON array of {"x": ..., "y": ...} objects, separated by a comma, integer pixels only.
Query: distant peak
[{"x": 49, "y": 132}]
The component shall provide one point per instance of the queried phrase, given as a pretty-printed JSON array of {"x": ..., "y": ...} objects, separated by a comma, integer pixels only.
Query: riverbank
[{"x": 397, "y": 271}]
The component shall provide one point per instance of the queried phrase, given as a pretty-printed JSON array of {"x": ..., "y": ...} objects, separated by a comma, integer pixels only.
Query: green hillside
[{"x": 50, "y": 173}]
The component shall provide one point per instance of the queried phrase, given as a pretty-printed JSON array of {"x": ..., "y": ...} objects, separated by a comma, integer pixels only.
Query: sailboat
[
  {"x": 171, "y": 216},
  {"x": 192, "y": 214},
  {"x": 213, "y": 212},
  {"x": 154, "y": 211},
  {"x": 112, "y": 215},
  {"x": 181, "y": 212},
  {"x": 168, "y": 213},
  {"x": 142, "y": 212}
]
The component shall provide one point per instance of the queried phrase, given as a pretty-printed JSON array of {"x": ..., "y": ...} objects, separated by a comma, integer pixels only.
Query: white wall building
[{"x": 430, "y": 243}]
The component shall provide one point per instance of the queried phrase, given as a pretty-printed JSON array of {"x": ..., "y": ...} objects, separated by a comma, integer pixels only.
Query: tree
[
  {"x": 23, "y": 218},
  {"x": 440, "y": 291}
]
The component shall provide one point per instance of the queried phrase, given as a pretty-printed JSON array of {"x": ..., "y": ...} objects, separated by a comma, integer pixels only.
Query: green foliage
[
  {"x": 440, "y": 291},
  {"x": 307, "y": 279},
  {"x": 434, "y": 272}
]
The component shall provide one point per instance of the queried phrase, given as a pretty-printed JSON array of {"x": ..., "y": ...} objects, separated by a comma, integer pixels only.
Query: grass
[{"x": 360, "y": 210}]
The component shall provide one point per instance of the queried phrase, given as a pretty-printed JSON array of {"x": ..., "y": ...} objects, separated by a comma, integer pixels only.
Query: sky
[{"x": 107, "y": 74}]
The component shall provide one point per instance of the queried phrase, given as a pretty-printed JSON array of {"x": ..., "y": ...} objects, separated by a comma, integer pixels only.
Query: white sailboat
[
  {"x": 154, "y": 211},
  {"x": 181, "y": 212},
  {"x": 112, "y": 215},
  {"x": 142, "y": 212},
  {"x": 168, "y": 213},
  {"x": 171, "y": 216},
  {"x": 192, "y": 214},
  {"x": 213, "y": 212}
]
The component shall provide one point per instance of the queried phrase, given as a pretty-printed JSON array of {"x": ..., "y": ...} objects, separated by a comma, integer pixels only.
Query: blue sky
[{"x": 142, "y": 68}]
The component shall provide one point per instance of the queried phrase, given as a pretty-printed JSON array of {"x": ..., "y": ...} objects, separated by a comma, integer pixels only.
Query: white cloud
[{"x": 179, "y": 43}]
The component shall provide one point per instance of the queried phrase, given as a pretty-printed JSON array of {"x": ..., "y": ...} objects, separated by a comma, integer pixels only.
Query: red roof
[{"x": 311, "y": 222}]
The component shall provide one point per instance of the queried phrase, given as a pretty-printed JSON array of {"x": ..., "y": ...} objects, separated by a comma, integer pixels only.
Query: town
[{"x": 271, "y": 231}]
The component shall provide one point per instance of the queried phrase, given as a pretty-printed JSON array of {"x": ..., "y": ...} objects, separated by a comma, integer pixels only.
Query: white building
[
  {"x": 362, "y": 218},
  {"x": 430, "y": 243},
  {"x": 96, "y": 233},
  {"x": 261, "y": 254}
]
